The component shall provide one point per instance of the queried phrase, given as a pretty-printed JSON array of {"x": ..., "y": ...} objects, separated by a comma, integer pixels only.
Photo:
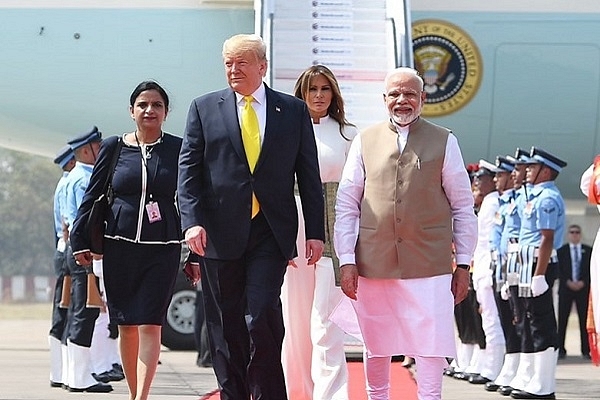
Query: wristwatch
[{"x": 463, "y": 266}]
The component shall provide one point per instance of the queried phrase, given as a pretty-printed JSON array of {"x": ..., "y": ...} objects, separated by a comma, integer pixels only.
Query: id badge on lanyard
[{"x": 153, "y": 212}]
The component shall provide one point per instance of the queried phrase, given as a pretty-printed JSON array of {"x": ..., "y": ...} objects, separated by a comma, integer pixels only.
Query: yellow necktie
[{"x": 251, "y": 139}]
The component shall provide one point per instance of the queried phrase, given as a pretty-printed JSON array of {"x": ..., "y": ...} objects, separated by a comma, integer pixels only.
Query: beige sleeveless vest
[{"x": 406, "y": 221}]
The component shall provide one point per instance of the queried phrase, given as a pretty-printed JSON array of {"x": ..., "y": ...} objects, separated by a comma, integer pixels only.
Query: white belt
[{"x": 513, "y": 248}]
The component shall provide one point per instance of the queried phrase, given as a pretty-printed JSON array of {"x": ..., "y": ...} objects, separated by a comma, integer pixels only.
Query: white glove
[
  {"x": 97, "y": 268},
  {"x": 61, "y": 245},
  {"x": 538, "y": 285},
  {"x": 504, "y": 292}
]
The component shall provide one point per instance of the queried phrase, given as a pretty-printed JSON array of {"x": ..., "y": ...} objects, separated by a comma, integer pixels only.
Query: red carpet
[{"x": 403, "y": 384}]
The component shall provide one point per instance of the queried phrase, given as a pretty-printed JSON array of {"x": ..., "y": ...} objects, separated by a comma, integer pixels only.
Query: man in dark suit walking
[
  {"x": 243, "y": 150},
  {"x": 574, "y": 286}
]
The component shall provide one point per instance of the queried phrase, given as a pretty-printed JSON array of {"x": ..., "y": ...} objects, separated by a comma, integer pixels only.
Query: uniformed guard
[
  {"x": 493, "y": 354},
  {"x": 499, "y": 251},
  {"x": 542, "y": 230},
  {"x": 468, "y": 320},
  {"x": 78, "y": 337},
  {"x": 66, "y": 160},
  {"x": 510, "y": 290}
]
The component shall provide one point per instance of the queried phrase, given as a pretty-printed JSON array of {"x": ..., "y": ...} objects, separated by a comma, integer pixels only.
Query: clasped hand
[{"x": 84, "y": 258}]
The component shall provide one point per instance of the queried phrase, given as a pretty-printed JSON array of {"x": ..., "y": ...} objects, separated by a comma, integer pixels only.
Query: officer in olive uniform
[
  {"x": 66, "y": 160},
  {"x": 542, "y": 231}
]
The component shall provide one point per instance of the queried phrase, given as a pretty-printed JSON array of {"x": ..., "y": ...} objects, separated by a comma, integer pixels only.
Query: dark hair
[
  {"x": 149, "y": 85},
  {"x": 336, "y": 107}
]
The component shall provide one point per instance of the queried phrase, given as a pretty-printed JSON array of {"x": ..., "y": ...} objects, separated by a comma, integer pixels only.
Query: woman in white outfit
[
  {"x": 591, "y": 177},
  {"x": 313, "y": 355}
]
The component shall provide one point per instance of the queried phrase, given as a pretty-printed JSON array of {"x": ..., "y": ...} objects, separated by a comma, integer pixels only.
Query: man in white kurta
[{"x": 403, "y": 199}]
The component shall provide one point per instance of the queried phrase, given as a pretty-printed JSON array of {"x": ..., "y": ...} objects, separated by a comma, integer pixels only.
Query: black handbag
[{"x": 95, "y": 224}]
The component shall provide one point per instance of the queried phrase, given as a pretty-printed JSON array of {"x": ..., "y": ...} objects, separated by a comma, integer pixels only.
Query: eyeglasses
[{"x": 575, "y": 232}]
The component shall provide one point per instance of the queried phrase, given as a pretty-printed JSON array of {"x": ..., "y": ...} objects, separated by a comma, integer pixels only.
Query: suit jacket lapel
[
  {"x": 229, "y": 110},
  {"x": 272, "y": 122}
]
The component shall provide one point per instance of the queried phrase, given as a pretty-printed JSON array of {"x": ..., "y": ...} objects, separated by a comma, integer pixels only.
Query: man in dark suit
[
  {"x": 243, "y": 150},
  {"x": 574, "y": 286}
]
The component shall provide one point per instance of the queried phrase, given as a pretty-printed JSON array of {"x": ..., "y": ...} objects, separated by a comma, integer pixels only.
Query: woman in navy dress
[{"x": 143, "y": 233}]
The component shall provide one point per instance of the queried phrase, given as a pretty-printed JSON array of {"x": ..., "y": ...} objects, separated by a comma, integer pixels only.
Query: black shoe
[
  {"x": 479, "y": 380},
  {"x": 463, "y": 376},
  {"x": 115, "y": 375},
  {"x": 55, "y": 384},
  {"x": 449, "y": 371},
  {"x": 586, "y": 356},
  {"x": 521, "y": 394},
  {"x": 505, "y": 390},
  {"x": 117, "y": 367},
  {"x": 97, "y": 388},
  {"x": 562, "y": 354},
  {"x": 107, "y": 376},
  {"x": 491, "y": 387},
  {"x": 66, "y": 387},
  {"x": 101, "y": 377}
]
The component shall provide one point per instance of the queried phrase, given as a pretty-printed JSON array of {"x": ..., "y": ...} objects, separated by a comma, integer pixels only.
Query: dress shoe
[
  {"x": 115, "y": 375},
  {"x": 55, "y": 384},
  {"x": 108, "y": 376},
  {"x": 101, "y": 377},
  {"x": 505, "y": 390},
  {"x": 97, "y": 388},
  {"x": 463, "y": 376},
  {"x": 449, "y": 371},
  {"x": 521, "y": 394},
  {"x": 491, "y": 386},
  {"x": 478, "y": 380}
]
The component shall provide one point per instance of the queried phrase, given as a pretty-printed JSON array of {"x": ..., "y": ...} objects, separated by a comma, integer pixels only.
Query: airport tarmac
[{"x": 24, "y": 366}]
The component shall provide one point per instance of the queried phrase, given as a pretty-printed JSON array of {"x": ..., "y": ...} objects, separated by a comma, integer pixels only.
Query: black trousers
[
  {"x": 81, "y": 319},
  {"x": 244, "y": 319},
  {"x": 566, "y": 298},
  {"x": 508, "y": 323},
  {"x": 536, "y": 325},
  {"x": 59, "y": 315},
  {"x": 201, "y": 333}
]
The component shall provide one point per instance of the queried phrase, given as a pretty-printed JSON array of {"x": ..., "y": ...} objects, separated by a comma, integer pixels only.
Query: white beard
[{"x": 405, "y": 119}]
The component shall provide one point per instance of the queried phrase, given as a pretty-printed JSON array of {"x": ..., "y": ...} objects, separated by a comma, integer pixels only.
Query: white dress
[
  {"x": 313, "y": 355},
  {"x": 595, "y": 261}
]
